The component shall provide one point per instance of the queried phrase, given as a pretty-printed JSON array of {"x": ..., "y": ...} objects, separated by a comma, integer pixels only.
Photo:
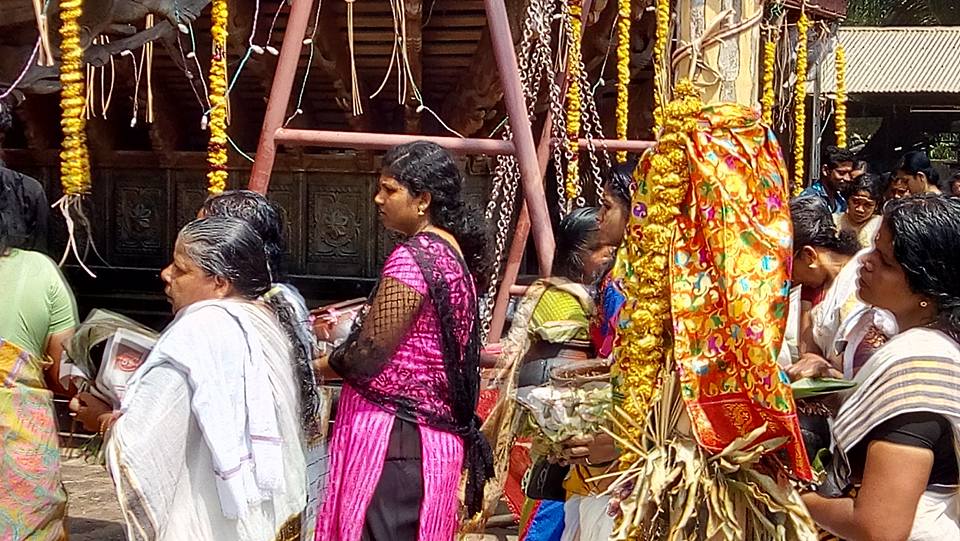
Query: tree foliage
[{"x": 903, "y": 13}]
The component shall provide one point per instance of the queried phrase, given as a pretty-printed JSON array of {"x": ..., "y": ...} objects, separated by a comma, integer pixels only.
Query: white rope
[{"x": 23, "y": 72}]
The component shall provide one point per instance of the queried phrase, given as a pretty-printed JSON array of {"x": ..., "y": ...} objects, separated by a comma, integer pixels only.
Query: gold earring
[
  {"x": 924, "y": 304},
  {"x": 420, "y": 211}
]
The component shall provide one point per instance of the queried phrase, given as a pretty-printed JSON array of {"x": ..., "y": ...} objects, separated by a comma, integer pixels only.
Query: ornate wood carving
[
  {"x": 285, "y": 192},
  {"x": 476, "y": 96},
  {"x": 413, "y": 13},
  {"x": 478, "y": 92},
  {"x": 140, "y": 214},
  {"x": 339, "y": 221},
  {"x": 191, "y": 192},
  {"x": 333, "y": 59}
]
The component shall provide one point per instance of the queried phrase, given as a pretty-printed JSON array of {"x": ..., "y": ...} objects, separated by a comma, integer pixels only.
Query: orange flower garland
[
  {"x": 74, "y": 157},
  {"x": 663, "y": 178},
  {"x": 623, "y": 73},
  {"x": 768, "y": 99},
  {"x": 573, "y": 100},
  {"x": 800, "y": 105},
  {"x": 660, "y": 62},
  {"x": 840, "y": 116},
  {"x": 217, "y": 146}
]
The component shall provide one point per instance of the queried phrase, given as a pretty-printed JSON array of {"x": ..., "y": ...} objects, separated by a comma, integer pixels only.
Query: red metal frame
[{"x": 531, "y": 159}]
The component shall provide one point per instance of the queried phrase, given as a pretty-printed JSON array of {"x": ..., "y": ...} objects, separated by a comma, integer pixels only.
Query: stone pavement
[{"x": 94, "y": 514}]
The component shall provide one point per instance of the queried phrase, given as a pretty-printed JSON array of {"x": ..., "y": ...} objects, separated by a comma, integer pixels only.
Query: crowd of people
[{"x": 222, "y": 432}]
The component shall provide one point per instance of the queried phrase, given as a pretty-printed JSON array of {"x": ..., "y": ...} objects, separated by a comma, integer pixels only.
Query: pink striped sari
[{"x": 362, "y": 429}]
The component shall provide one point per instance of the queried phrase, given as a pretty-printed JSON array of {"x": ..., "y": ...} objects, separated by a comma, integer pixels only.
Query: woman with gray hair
[{"x": 208, "y": 444}]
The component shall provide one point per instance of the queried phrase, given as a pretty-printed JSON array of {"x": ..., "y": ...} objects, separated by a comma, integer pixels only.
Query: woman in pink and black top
[{"x": 406, "y": 425}]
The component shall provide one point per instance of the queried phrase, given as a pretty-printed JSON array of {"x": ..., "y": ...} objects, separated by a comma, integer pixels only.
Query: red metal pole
[
  {"x": 530, "y": 174},
  {"x": 280, "y": 94},
  {"x": 519, "y": 244},
  {"x": 611, "y": 144},
  {"x": 383, "y": 141}
]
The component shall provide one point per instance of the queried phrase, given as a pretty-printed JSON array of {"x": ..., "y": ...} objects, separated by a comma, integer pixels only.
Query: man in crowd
[
  {"x": 835, "y": 179},
  {"x": 22, "y": 199}
]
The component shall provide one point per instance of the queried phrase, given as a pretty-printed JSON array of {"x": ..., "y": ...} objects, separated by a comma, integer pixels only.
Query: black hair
[
  {"x": 619, "y": 182},
  {"x": 230, "y": 248},
  {"x": 265, "y": 218},
  {"x": 813, "y": 226},
  {"x": 425, "y": 167},
  {"x": 872, "y": 184},
  {"x": 884, "y": 180},
  {"x": 834, "y": 156},
  {"x": 926, "y": 244},
  {"x": 575, "y": 238},
  {"x": 916, "y": 162}
]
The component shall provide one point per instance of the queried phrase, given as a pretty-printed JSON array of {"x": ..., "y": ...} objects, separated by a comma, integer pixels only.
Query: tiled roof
[{"x": 897, "y": 60}]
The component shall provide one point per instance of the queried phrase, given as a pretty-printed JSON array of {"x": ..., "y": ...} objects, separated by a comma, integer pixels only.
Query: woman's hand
[
  {"x": 811, "y": 365},
  {"x": 894, "y": 478},
  {"x": 591, "y": 450},
  {"x": 90, "y": 411},
  {"x": 323, "y": 325}
]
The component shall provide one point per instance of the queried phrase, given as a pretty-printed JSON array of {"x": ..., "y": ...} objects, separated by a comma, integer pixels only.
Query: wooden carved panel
[
  {"x": 191, "y": 192},
  {"x": 140, "y": 213},
  {"x": 285, "y": 193},
  {"x": 340, "y": 225}
]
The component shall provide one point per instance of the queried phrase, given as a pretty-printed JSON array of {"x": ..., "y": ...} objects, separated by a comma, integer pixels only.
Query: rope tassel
[{"x": 354, "y": 81}]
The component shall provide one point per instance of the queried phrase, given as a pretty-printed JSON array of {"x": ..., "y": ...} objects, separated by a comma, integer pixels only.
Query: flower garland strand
[
  {"x": 768, "y": 99},
  {"x": 74, "y": 157},
  {"x": 623, "y": 73},
  {"x": 840, "y": 117},
  {"x": 800, "y": 104},
  {"x": 660, "y": 62},
  {"x": 641, "y": 346},
  {"x": 217, "y": 146},
  {"x": 574, "y": 105}
]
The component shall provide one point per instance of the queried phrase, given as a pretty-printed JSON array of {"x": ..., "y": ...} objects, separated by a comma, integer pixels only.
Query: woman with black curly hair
[{"x": 406, "y": 424}]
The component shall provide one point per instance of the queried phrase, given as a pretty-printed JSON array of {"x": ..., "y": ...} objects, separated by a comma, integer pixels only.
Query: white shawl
[
  {"x": 209, "y": 445},
  {"x": 918, "y": 370}
]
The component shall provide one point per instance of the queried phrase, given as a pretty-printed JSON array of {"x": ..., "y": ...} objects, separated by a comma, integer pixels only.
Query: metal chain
[
  {"x": 559, "y": 105},
  {"x": 534, "y": 64},
  {"x": 592, "y": 126},
  {"x": 506, "y": 174}
]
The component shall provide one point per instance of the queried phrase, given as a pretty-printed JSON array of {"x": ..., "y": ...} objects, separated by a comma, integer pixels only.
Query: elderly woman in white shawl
[
  {"x": 896, "y": 434},
  {"x": 208, "y": 442}
]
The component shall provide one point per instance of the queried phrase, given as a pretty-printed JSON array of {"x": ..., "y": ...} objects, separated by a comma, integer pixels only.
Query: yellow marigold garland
[
  {"x": 641, "y": 346},
  {"x": 623, "y": 73},
  {"x": 74, "y": 158},
  {"x": 660, "y": 61},
  {"x": 217, "y": 146},
  {"x": 768, "y": 99},
  {"x": 840, "y": 116},
  {"x": 573, "y": 99},
  {"x": 800, "y": 104}
]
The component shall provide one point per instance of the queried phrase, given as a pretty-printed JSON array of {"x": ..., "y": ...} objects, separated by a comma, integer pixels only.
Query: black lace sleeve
[{"x": 378, "y": 332}]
